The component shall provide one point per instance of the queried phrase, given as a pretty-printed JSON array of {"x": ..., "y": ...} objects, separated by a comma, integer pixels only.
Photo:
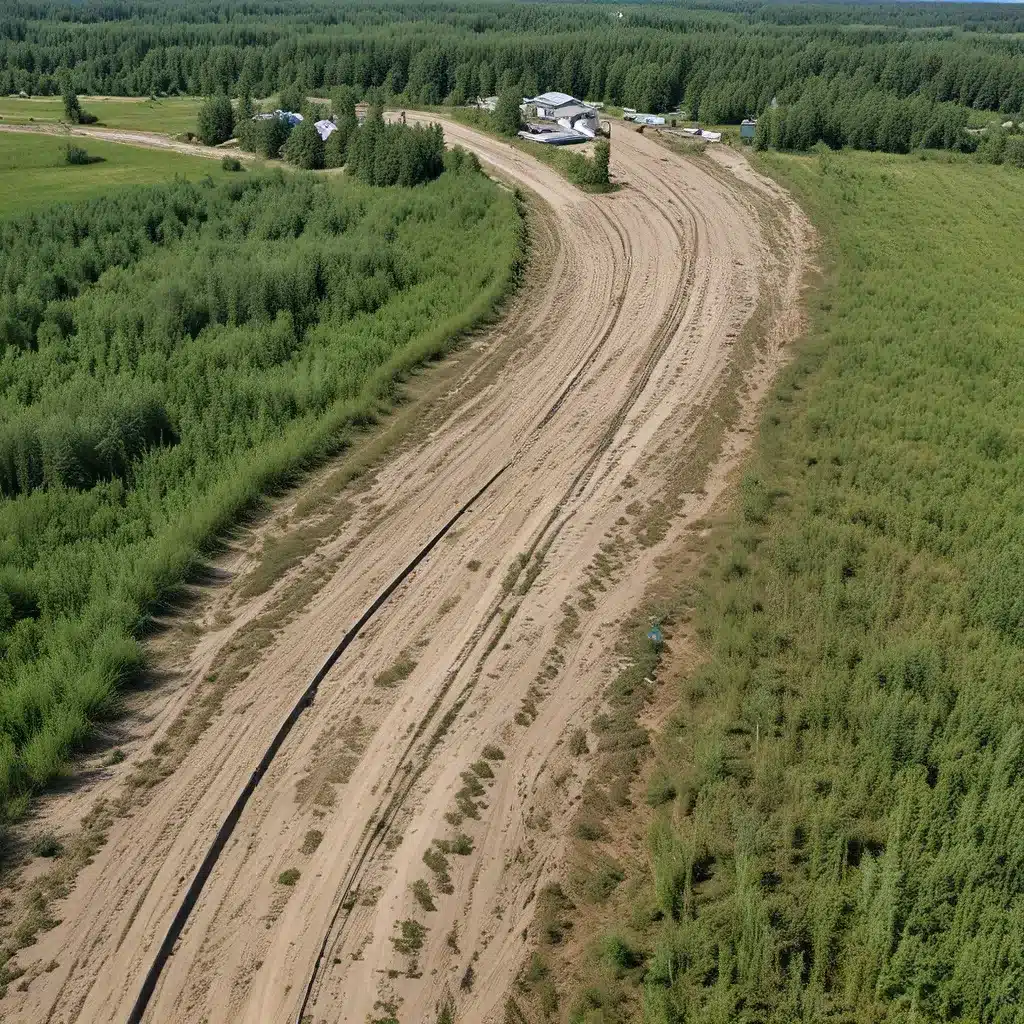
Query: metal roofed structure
[{"x": 553, "y": 99}]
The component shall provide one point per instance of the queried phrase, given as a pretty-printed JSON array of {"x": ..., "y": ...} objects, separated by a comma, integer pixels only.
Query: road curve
[{"x": 600, "y": 377}]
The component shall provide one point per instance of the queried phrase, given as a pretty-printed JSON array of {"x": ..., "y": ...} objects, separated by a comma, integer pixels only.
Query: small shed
[{"x": 747, "y": 129}]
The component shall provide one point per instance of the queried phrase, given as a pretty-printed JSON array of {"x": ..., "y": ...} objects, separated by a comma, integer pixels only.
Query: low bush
[
  {"x": 79, "y": 156},
  {"x": 47, "y": 845}
]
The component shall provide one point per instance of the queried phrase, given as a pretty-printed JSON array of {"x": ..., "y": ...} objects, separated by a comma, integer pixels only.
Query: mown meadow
[
  {"x": 172, "y": 353},
  {"x": 34, "y": 170},
  {"x": 167, "y": 114},
  {"x": 835, "y": 805}
]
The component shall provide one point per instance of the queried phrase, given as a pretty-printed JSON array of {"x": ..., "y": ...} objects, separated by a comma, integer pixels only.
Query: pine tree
[
  {"x": 336, "y": 146},
  {"x": 508, "y": 117},
  {"x": 343, "y": 102},
  {"x": 304, "y": 147},
  {"x": 292, "y": 98},
  {"x": 72, "y": 109},
  {"x": 216, "y": 120}
]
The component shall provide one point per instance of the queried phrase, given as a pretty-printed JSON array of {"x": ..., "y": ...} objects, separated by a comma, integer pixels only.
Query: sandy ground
[{"x": 590, "y": 389}]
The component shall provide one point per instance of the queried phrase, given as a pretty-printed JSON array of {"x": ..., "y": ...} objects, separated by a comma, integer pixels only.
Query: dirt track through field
[
  {"x": 141, "y": 140},
  {"x": 609, "y": 365}
]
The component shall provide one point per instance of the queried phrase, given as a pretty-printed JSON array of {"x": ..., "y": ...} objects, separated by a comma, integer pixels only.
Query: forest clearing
[
  {"x": 33, "y": 168},
  {"x": 452, "y": 576}
]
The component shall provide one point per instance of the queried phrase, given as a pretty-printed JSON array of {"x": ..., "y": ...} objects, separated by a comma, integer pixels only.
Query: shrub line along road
[{"x": 607, "y": 366}]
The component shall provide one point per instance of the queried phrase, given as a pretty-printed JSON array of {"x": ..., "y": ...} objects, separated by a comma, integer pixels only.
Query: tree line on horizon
[{"x": 720, "y": 63}]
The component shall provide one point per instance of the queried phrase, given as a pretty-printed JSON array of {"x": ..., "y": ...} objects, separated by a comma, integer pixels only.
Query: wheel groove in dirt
[{"x": 306, "y": 699}]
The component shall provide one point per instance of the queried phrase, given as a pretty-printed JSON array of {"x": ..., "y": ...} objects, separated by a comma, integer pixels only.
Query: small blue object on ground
[{"x": 655, "y": 635}]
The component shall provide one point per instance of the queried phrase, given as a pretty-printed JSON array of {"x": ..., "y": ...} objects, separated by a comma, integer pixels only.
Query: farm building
[
  {"x": 747, "y": 129},
  {"x": 548, "y": 104},
  {"x": 577, "y": 121}
]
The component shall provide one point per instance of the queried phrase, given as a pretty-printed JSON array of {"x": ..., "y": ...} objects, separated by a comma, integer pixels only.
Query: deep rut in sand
[{"x": 504, "y": 634}]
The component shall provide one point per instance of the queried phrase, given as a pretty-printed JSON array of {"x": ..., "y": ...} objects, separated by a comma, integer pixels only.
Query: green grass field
[
  {"x": 170, "y": 116},
  {"x": 837, "y": 797},
  {"x": 33, "y": 171}
]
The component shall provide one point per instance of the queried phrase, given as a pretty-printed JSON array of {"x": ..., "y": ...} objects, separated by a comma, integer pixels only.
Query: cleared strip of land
[{"x": 637, "y": 320}]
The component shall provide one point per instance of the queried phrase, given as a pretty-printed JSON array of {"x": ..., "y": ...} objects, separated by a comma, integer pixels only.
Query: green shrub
[
  {"x": 461, "y": 844},
  {"x": 79, "y": 156},
  {"x": 216, "y": 120},
  {"x": 47, "y": 845},
  {"x": 410, "y": 937},
  {"x": 396, "y": 673},
  {"x": 289, "y": 877},
  {"x": 310, "y": 844},
  {"x": 421, "y": 890}
]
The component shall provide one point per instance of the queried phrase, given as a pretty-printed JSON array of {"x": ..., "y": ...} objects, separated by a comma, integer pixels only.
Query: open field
[
  {"x": 826, "y": 828},
  {"x": 170, "y": 115},
  {"x": 34, "y": 172},
  {"x": 433, "y": 768}
]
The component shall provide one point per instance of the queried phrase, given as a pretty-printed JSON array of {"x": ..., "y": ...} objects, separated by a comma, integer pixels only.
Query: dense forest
[
  {"x": 911, "y": 72},
  {"x": 170, "y": 353}
]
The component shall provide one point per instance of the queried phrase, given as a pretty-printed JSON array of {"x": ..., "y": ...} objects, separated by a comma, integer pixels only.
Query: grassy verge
[
  {"x": 828, "y": 821},
  {"x": 34, "y": 171},
  {"x": 170, "y": 115}
]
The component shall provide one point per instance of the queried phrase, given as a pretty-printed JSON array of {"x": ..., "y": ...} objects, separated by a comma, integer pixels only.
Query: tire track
[{"x": 380, "y": 825}]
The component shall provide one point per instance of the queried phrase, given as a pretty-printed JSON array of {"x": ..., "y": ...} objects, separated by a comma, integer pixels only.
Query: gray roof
[
  {"x": 574, "y": 110},
  {"x": 554, "y": 99}
]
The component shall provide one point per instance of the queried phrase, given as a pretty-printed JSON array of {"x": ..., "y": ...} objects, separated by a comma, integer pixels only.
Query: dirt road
[
  {"x": 143, "y": 140},
  {"x": 591, "y": 390}
]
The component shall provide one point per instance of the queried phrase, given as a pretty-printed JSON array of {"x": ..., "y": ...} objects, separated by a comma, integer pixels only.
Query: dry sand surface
[{"x": 607, "y": 367}]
